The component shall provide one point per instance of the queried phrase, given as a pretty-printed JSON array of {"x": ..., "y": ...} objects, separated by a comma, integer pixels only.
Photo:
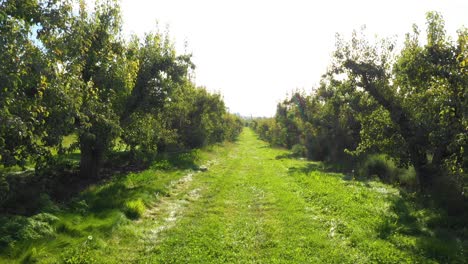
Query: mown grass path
[{"x": 255, "y": 205}]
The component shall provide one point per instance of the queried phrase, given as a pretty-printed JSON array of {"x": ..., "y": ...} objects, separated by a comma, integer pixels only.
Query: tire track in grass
[
  {"x": 166, "y": 211},
  {"x": 162, "y": 215}
]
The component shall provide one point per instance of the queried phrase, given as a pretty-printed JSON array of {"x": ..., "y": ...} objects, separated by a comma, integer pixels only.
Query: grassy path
[{"x": 254, "y": 205}]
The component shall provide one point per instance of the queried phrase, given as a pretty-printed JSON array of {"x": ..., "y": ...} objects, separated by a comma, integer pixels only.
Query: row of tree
[
  {"x": 67, "y": 71},
  {"x": 410, "y": 104}
]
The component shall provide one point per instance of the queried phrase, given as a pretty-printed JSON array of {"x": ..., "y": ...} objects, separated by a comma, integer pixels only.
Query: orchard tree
[
  {"x": 101, "y": 73},
  {"x": 423, "y": 91},
  {"x": 204, "y": 122},
  {"x": 161, "y": 77},
  {"x": 29, "y": 79}
]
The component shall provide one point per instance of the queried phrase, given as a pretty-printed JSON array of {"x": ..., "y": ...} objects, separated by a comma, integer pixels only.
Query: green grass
[
  {"x": 100, "y": 212},
  {"x": 256, "y": 208},
  {"x": 253, "y": 205}
]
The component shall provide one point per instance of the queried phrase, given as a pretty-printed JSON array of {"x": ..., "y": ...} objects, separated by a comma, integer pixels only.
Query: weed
[{"x": 82, "y": 254}]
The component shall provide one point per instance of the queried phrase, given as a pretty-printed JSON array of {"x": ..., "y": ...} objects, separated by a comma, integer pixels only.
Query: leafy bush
[
  {"x": 38, "y": 226},
  {"x": 232, "y": 127},
  {"x": 378, "y": 166},
  {"x": 79, "y": 206},
  {"x": 407, "y": 178},
  {"x": 185, "y": 160},
  {"x": 298, "y": 150},
  {"x": 46, "y": 204},
  {"x": 21, "y": 193},
  {"x": 134, "y": 209},
  {"x": 17, "y": 228}
]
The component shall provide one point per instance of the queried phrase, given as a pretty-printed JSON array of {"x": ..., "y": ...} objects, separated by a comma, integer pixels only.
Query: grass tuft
[{"x": 134, "y": 209}]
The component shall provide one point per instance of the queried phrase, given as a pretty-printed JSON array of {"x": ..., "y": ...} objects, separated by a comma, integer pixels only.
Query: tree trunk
[
  {"x": 424, "y": 172},
  {"x": 91, "y": 158}
]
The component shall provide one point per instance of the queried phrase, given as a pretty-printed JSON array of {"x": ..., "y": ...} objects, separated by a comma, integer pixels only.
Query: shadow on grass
[
  {"x": 284, "y": 156},
  {"x": 114, "y": 196},
  {"x": 122, "y": 163},
  {"x": 415, "y": 223},
  {"x": 96, "y": 210},
  {"x": 311, "y": 166},
  {"x": 177, "y": 160},
  {"x": 437, "y": 236},
  {"x": 343, "y": 169},
  {"x": 61, "y": 181}
]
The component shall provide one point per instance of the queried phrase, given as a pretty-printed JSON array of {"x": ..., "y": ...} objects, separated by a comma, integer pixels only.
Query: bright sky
[{"x": 256, "y": 51}]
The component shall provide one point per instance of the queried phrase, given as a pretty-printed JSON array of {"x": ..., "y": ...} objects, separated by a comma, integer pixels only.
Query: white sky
[{"x": 255, "y": 51}]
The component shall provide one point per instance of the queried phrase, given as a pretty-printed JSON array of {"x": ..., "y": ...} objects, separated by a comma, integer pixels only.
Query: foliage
[
  {"x": 202, "y": 122},
  {"x": 145, "y": 132},
  {"x": 324, "y": 123},
  {"x": 4, "y": 188},
  {"x": 27, "y": 78},
  {"x": 232, "y": 126},
  {"x": 20, "y": 228},
  {"x": 70, "y": 71}
]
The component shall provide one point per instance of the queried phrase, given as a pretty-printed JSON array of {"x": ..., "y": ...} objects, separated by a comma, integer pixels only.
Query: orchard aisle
[
  {"x": 249, "y": 210},
  {"x": 257, "y": 205}
]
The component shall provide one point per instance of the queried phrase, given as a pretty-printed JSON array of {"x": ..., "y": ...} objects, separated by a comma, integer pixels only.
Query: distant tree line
[
  {"x": 411, "y": 105},
  {"x": 67, "y": 71}
]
